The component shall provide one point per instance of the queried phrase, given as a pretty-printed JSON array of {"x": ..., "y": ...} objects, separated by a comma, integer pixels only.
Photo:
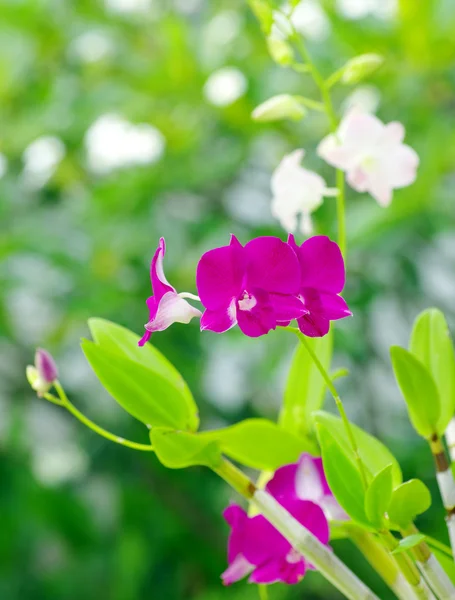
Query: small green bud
[
  {"x": 360, "y": 67},
  {"x": 280, "y": 51},
  {"x": 283, "y": 106}
]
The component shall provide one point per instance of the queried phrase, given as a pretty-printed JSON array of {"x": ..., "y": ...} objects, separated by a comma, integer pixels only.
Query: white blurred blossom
[
  {"x": 359, "y": 9},
  {"x": 92, "y": 46},
  {"x": 296, "y": 191},
  {"x": 129, "y": 6},
  {"x": 41, "y": 158},
  {"x": 3, "y": 164},
  {"x": 310, "y": 20},
  {"x": 112, "y": 142},
  {"x": 225, "y": 86},
  {"x": 372, "y": 154}
]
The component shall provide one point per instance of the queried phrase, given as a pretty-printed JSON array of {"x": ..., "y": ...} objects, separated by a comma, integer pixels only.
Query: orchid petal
[
  {"x": 220, "y": 274},
  {"x": 238, "y": 569},
  {"x": 263, "y": 542},
  {"x": 259, "y": 318},
  {"x": 272, "y": 266},
  {"x": 287, "y": 307},
  {"x": 314, "y": 325},
  {"x": 220, "y": 320},
  {"x": 308, "y": 514},
  {"x": 160, "y": 284},
  {"x": 332, "y": 509},
  {"x": 283, "y": 481},
  {"x": 171, "y": 309},
  {"x": 322, "y": 264},
  {"x": 308, "y": 482}
]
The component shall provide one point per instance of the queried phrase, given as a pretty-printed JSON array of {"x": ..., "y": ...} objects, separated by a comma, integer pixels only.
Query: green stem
[
  {"x": 64, "y": 401},
  {"x": 263, "y": 592},
  {"x": 338, "y": 402},
  {"x": 298, "y": 536},
  {"x": 324, "y": 90}
]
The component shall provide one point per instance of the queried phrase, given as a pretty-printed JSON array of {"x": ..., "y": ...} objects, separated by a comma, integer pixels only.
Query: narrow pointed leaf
[
  {"x": 343, "y": 477},
  {"x": 305, "y": 388},
  {"x": 432, "y": 344},
  {"x": 409, "y": 542},
  {"x": 374, "y": 454},
  {"x": 419, "y": 391},
  {"x": 378, "y": 496}
]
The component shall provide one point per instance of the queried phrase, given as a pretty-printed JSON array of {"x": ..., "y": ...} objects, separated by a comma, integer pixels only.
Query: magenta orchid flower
[
  {"x": 322, "y": 280},
  {"x": 254, "y": 285},
  {"x": 166, "y": 306},
  {"x": 306, "y": 480},
  {"x": 257, "y": 549}
]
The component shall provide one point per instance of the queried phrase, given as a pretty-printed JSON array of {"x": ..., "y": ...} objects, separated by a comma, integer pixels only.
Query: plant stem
[
  {"x": 324, "y": 90},
  {"x": 64, "y": 401},
  {"x": 338, "y": 402},
  {"x": 381, "y": 561},
  {"x": 431, "y": 569},
  {"x": 263, "y": 592},
  {"x": 301, "y": 539},
  {"x": 446, "y": 483}
]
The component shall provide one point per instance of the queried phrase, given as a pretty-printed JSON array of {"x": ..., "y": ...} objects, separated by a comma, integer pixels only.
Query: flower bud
[
  {"x": 360, "y": 67},
  {"x": 283, "y": 106},
  {"x": 43, "y": 374},
  {"x": 45, "y": 365},
  {"x": 280, "y": 51}
]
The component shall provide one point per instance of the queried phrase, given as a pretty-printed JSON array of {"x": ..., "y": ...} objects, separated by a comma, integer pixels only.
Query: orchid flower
[
  {"x": 166, "y": 306},
  {"x": 306, "y": 480},
  {"x": 372, "y": 154},
  {"x": 254, "y": 285},
  {"x": 296, "y": 191},
  {"x": 322, "y": 280},
  {"x": 257, "y": 549}
]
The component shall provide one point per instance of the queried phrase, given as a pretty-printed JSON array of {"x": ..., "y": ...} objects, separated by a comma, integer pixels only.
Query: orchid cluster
[{"x": 324, "y": 477}]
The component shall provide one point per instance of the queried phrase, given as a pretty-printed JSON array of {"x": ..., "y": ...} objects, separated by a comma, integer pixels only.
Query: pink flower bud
[{"x": 45, "y": 365}]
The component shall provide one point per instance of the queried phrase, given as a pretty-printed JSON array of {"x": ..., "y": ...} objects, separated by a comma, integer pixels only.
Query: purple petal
[
  {"x": 145, "y": 338},
  {"x": 322, "y": 265},
  {"x": 171, "y": 309},
  {"x": 308, "y": 482},
  {"x": 308, "y": 514},
  {"x": 267, "y": 573},
  {"x": 238, "y": 569},
  {"x": 334, "y": 307},
  {"x": 314, "y": 325},
  {"x": 220, "y": 320},
  {"x": 220, "y": 275},
  {"x": 237, "y": 519},
  {"x": 263, "y": 542},
  {"x": 45, "y": 365},
  {"x": 153, "y": 307},
  {"x": 272, "y": 265},
  {"x": 160, "y": 284},
  {"x": 287, "y": 307},
  {"x": 255, "y": 314},
  {"x": 333, "y": 510},
  {"x": 283, "y": 481}
]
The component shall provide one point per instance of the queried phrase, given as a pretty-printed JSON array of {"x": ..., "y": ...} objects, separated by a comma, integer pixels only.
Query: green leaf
[
  {"x": 410, "y": 499},
  {"x": 432, "y": 345},
  {"x": 124, "y": 342},
  {"x": 378, "y": 496},
  {"x": 264, "y": 14},
  {"x": 374, "y": 454},
  {"x": 418, "y": 389},
  {"x": 143, "y": 393},
  {"x": 260, "y": 444},
  {"x": 409, "y": 542},
  {"x": 180, "y": 449},
  {"x": 305, "y": 386},
  {"x": 342, "y": 475}
]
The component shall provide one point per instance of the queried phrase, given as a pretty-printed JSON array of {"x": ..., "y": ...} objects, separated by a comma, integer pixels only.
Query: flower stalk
[
  {"x": 64, "y": 401},
  {"x": 301, "y": 539}
]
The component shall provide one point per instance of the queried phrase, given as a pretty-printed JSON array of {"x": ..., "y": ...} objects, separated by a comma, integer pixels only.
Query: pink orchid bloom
[
  {"x": 254, "y": 285},
  {"x": 372, "y": 154},
  {"x": 257, "y": 549},
  {"x": 306, "y": 480},
  {"x": 322, "y": 280},
  {"x": 166, "y": 306}
]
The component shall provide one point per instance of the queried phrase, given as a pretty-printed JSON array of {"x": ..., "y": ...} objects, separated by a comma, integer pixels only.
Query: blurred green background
[{"x": 128, "y": 120}]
